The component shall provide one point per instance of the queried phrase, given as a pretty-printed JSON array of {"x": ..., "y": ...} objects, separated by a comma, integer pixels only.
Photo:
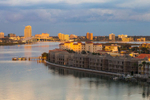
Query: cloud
[{"x": 57, "y": 11}]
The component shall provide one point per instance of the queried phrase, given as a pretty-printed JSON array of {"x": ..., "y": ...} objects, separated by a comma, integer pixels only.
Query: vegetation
[
  {"x": 83, "y": 52},
  {"x": 70, "y": 51}
]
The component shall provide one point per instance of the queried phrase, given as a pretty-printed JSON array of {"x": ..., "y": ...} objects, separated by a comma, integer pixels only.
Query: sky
[{"x": 100, "y": 17}]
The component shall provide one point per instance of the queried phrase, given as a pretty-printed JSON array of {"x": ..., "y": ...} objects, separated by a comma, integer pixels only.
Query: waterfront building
[
  {"x": 141, "y": 39},
  {"x": 122, "y": 36},
  {"x": 43, "y": 35},
  {"x": 79, "y": 46},
  {"x": 15, "y": 38},
  {"x": 120, "y": 64},
  {"x": 112, "y": 47},
  {"x": 89, "y": 36},
  {"x": 11, "y": 35},
  {"x": 28, "y": 31},
  {"x": 127, "y": 39},
  {"x": 63, "y": 37},
  {"x": 112, "y": 37},
  {"x": 1, "y": 34}
]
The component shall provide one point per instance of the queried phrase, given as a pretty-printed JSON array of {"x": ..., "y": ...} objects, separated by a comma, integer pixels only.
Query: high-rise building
[
  {"x": 63, "y": 37},
  {"x": 1, "y": 34},
  {"x": 112, "y": 36},
  {"x": 11, "y": 35},
  {"x": 28, "y": 31},
  {"x": 89, "y": 36}
]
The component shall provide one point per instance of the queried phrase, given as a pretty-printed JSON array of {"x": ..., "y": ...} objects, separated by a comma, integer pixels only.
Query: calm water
[{"x": 29, "y": 80}]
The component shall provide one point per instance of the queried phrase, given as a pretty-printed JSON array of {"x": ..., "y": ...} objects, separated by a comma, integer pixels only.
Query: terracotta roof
[
  {"x": 75, "y": 44},
  {"x": 89, "y": 42},
  {"x": 141, "y": 56},
  {"x": 67, "y": 42},
  {"x": 57, "y": 50},
  {"x": 61, "y": 44},
  {"x": 97, "y": 44}
]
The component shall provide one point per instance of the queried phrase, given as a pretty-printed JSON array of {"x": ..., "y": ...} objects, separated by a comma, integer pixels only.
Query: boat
[
  {"x": 24, "y": 58},
  {"x": 115, "y": 78},
  {"x": 14, "y": 59}
]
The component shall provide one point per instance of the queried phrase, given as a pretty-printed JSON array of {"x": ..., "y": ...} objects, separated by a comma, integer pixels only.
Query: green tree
[{"x": 83, "y": 52}]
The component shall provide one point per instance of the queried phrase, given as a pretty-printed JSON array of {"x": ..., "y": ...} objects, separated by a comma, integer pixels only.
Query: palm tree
[
  {"x": 148, "y": 67},
  {"x": 144, "y": 63}
]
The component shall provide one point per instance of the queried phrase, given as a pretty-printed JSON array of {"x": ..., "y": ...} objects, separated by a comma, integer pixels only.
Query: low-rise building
[
  {"x": 43, "y": 35},
  {"x": 11, "y": 35},
  {"x": 122, "y": 36},
  {"x": 112, "y": 47},
  {"x": 141, "y": 39},
  {"x": 79, "y": 46},
  {"x": 127, "y": 39},
  {"x": 120, "y": 64}
]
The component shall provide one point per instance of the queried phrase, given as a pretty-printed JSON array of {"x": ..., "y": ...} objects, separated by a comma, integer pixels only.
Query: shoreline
[{"x": 87, "y": 70}]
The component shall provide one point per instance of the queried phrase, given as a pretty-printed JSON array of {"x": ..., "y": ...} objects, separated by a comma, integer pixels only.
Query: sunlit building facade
[
  {"x": 122, "y": 36},
  {"x": 63, "y": 37},
  {"x": 1, "y": 34},
  {"x": 141, "y": 39},
  {"x": 28, "y": 31},
  {"x": 79, "y": 46},
  {"x": 112, "y": 37},
  {"x": 43, "y": 35},
  {"x": 89, "y": 36},
  {"x": 11, "y": 35}
]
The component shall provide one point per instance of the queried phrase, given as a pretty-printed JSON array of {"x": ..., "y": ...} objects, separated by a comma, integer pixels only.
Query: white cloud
[
  {"x": 134, "y": 3},
  {"x": 28, "y": 2}
]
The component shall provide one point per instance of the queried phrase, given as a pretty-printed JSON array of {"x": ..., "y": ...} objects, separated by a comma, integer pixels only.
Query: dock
[{"x": 27, "y": 58}]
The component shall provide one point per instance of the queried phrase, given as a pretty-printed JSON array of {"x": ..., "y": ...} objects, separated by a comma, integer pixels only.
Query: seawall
[{"x": 87, "y": 70}]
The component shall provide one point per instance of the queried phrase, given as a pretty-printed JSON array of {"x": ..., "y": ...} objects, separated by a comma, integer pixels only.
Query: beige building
[
  {"x": 89, "y": 36},
  {"x": 1, "y": 34},
  {"x": 79, "y": 47},
  {"x": 63, "y": 37},
  {"x": 43, "y": 35},
  {"x": 15, "y": 38},
  {"x": 112, "y": 37},
  {"x": 122, "y": 36},
  {"x": 72, "y": 36},
  {"x": 141, "y": 39},
  {"x": 127, "y": 39},
  {"x": 28, "y": 31}
]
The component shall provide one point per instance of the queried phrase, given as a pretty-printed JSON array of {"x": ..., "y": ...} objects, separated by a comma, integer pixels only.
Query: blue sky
[{"x": 100, "y": 17}]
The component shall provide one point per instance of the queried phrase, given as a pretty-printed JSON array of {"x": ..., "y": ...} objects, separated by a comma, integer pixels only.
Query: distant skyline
[{"x": 100, "y": 17}]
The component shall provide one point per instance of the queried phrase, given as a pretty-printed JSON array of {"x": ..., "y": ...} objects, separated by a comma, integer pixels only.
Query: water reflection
[{"x": 126, "y": 89}]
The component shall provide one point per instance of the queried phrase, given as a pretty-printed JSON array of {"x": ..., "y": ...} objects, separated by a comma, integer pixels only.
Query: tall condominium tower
[
  {"x": 89, "y": 36},
  {"x": 112, "y": 36},
  {"x": 28, "y": 31},
  {"x": 1, "y": 34}
]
